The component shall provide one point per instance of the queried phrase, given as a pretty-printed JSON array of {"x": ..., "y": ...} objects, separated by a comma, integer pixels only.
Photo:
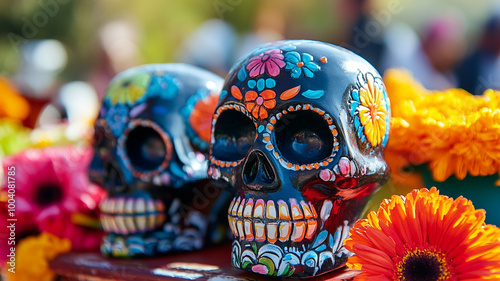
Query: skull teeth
[
  {"x": 132, "y": 215},
  {"x": 257, "y": 220},
  {"x": 270, "y": 210}
]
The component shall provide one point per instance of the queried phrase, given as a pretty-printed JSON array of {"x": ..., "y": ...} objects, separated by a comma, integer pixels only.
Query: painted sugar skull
[
  {"x": 298, "y": 134},
  {"x": 151, "y": 149}
]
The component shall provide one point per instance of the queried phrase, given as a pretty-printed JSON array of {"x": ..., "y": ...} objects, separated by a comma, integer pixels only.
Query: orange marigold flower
[
  {"x": 259, "y": 103},
  {"x": 455, "y": 132},
  {"x": 425, "y": 236},
  {"x": 12, "y": 104}
]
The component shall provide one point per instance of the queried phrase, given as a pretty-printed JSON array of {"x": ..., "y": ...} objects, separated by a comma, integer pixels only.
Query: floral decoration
[
  {"x": 299, "y": 64},
  {"x": 425, "y": 236},
  {"x": 258, "y": 103},
  {"x": 272, "y": 260},
  {"x": 128, "y": 88},
  {"x": 370, "y": 110},
  {"x": 457, "y": 133},
  {"x": 270, "y": 61},
  {"x": 117, "y": 118},
  {"x": 55, "y": 186},
  {"x": 33, "y": 255}
]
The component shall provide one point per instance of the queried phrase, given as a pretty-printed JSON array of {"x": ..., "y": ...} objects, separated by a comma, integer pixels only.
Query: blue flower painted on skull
[{"x": 300, "y": 64}]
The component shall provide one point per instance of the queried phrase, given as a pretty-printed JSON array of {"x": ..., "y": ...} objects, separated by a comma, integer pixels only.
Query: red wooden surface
[{"x": 210, "y": 264}]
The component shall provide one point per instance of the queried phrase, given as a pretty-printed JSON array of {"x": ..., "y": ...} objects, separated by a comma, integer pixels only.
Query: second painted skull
[
  {"x": 151, "y": 148},
  {"x": 298, "y": 134}
]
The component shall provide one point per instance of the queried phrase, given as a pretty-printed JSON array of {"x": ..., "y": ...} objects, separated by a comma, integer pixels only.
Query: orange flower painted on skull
[
  {"x": 200, "y": 119},
  {"x": 371, "y": 118},
  {"x": 258, "y": 104}
]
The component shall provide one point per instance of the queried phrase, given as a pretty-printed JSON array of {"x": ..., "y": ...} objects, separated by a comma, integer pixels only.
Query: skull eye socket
[
  {"x": 303, "y": 137},
  {"x": 146, "y": 148},
  {"x": 234, "y": 135}
]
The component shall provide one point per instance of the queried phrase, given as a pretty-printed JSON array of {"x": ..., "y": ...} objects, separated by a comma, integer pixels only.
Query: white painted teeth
[
  {"x": 257, "y": 220},
  {"x": 258, "y": 212},
  {"x": 131, "y": 215},
  {"x": 129, "y": 206},
  {"x": 272, "y": 232},
  {"x": 260, "y": 235},
  {"x": 271, "y": 210},
  {"x": 296, "y": 212},
  {"x": 247, "y": 212},
  {"x": 140, "y": 205}
]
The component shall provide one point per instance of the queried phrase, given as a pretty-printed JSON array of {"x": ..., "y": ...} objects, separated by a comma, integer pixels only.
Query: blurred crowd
[
  {"x": 57, "y": 82},
  {"x": 437, "y": 57}
]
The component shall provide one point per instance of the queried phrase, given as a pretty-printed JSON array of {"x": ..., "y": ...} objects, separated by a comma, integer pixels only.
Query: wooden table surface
[{"x": 212, "y": 264}]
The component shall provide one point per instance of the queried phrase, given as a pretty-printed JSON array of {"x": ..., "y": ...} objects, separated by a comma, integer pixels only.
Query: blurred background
[
  {"x": 90, "y": 41},
  {"x": 57, "y": 56}
]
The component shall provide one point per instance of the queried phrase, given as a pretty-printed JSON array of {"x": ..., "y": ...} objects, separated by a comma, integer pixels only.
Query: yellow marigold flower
[
  {"x": 33, "y": 257},
  {"x": 425, "y": 236},
  {"x": 456, "y": 132}
]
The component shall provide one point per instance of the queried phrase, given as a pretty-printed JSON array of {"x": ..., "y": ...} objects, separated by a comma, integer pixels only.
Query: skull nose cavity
[
  {"x": 113, "y": 180},
  {"x": 258, "y": 172}
]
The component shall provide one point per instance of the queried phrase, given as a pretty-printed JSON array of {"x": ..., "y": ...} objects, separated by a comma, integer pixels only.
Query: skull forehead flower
[
  {"x": 270, "y": 61},
  {"x": 288, "y": 147},
  {"x": 128, "y": 90},
  {"x": 150, "y": 154}
]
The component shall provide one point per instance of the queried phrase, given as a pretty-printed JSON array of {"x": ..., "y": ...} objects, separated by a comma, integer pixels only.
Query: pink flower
[
  {"x": 51, "y": 184},
  {"x": 271, "y": 60}
]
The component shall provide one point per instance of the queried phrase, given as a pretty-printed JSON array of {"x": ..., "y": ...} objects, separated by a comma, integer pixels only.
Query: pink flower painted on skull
[{"x": 271, "y": 60}]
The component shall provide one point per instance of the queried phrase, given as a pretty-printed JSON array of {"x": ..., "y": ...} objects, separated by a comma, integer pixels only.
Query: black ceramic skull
[
  {"x": 151, "y": 150},
  {"x": 298, "y": 134}
]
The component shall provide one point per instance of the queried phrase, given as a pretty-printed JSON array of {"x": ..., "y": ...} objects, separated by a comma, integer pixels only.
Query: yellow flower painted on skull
[
  {"x": 128, "y": 88},
  {"x": 370, "y": 109}
]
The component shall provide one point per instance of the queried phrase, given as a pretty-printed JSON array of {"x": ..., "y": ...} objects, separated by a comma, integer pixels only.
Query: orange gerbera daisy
[
  {"x": 425, "y": 236},
  {"x": 259, "y": 103}
]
